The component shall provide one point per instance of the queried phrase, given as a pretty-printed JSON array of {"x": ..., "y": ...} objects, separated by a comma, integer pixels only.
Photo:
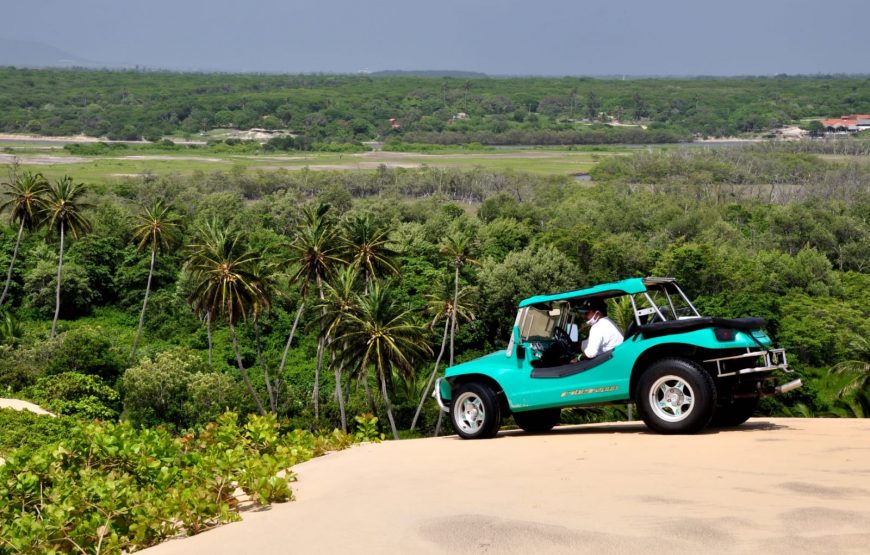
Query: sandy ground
[
  {"x": 63, "y": 139},
  {"x": 333, "y": 167},
  {"x": 40, "y": 159},
  {"x": 18, "y": 404},
  {"x": 770, "y": 486}
]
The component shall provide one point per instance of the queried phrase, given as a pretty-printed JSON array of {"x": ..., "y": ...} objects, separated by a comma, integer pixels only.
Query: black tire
[
  {"x": 734, "y": 412},
  {"x": 475, "y": 411},
  {"x": 538, "y": 421},
  {"x": 676, "y": 396}
]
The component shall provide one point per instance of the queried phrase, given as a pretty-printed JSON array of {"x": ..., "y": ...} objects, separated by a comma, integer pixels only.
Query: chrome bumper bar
[
  {"x": 437, "y": 394},
  {"x": 771, "y": 360}
]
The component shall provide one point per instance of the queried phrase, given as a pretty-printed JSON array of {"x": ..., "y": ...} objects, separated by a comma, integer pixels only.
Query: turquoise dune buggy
[{"x": 684, "y": 371}]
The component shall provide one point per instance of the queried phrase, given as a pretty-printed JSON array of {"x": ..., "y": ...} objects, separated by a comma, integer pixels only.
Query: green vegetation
[
  {"x": 277, "y": 265},
  {"x": 347, "y": 109},
  {"x": 114, "y": 488},
  {"x": 234, "y": 276}
]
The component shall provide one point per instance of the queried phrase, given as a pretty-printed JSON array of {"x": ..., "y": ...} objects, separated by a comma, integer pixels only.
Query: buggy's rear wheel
[{"x": 676, "y": 396}]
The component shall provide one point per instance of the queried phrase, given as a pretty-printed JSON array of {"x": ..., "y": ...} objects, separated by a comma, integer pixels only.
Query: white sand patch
[
  {"x": 18, "y": 404},
  {"x": 41, "y": 160},
  {"x": 164, "y": 157},
  {"x": 340, "y": 167},
  {"x": 773, "y": 485}
]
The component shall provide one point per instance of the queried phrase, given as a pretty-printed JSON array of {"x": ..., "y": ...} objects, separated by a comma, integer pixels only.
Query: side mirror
[{"x": 521, "y": 352}]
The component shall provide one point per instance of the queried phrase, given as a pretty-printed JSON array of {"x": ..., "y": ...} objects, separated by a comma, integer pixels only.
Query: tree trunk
[
  {"x": 387, "y": 403},
  {"x": 371, "y": 400},
  {"x": 338, "y": 394},
  {"x": 432, "y": 377},
  {"x": 321, "y": 345},
  {"x": 453, "y": 316},
  {"x": 12, "y": 262},
  {"x": 144, "y": 304},
  {"x": 273, "y": 398},
  {"x": 244, "y": 372},
  {"x": 57, "y": 291},
  {"x": 290, "y": 339},
  {"x": 208, "y": 333}
]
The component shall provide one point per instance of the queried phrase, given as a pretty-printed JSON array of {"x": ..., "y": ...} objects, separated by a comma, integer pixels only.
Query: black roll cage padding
[
  {"x": 658, "y": 329},
  {"x": 578, "y": 367}
]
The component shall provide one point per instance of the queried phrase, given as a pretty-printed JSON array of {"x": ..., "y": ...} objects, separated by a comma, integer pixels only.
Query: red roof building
[{"x": 851, "y": 122}]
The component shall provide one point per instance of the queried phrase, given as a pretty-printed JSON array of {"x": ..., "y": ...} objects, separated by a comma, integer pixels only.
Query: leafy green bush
[
  {"x": 113, "y": 488},
  {"x": 87, "y": 350},
  {"x": 209, "y": 394},
  {"x": 94, "y": 149},
  {"x": 23, "y": 429},
  {"x": 367, "y": 428},
  {"x": 75, "y": 394},
  {"x": 40, "y": 286},
  {"x": 155, "y": 390},
  {"x": 179, "y": 389}
]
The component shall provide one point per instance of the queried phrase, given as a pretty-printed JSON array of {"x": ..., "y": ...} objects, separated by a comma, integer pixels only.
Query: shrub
[
  {"x": 23, "y": 429},
  {"x": 75, "y": 394},
  {"x": 209, "y": 395},
  {"x": 86, "y": 350},
  {"x": 113, "y": 488},
  {"x": 40, "y": 286},
  {"x": 179, "y": 389},
  {"x": 155, "y": 391}
]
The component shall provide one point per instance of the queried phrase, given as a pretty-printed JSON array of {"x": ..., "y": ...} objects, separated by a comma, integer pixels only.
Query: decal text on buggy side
[{"x": 587, "y": 391}]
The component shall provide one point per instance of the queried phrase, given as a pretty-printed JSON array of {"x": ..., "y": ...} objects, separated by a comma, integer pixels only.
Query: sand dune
[
  {"x": 770, "y": 486},
  {"x": 18, "y": 404}
]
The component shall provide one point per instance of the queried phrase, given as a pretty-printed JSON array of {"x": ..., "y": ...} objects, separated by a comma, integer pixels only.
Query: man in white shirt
[{"x": 603, "y": 333}]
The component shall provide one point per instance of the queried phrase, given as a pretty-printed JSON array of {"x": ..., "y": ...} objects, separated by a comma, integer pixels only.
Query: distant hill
[
  {"x": 37, "y": 54},
  {"x": 427, "y": 73}
]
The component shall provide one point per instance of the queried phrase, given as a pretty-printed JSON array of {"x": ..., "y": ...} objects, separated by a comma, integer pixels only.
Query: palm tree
[
  {"x": 316, "y": 252},
  {"x": 441, "y": 306},
  {"x": 857, "y": 405},
  {"x": 62, "y": 212},
  {"x": 382, "y": 334},
  {"x": 854, "y": 397},
  {"x": 210, "y": 233},
  {"x": 339, "y": 302},
  {"x": 457, "y": 247},
  {"x": 156, "y": 228},
  {"x": 24, "y": 196},
  {"x": 366, "y": 246},
  {"x": 228, "y": 286},
  {"x": 265, "y": 269}
]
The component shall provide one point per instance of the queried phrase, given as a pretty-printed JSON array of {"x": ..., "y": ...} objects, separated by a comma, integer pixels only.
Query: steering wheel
[{"x": 563, "y": 339}]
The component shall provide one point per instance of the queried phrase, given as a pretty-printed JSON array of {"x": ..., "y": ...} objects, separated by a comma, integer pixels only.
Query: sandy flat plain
[{"x": 770, "y": 486}]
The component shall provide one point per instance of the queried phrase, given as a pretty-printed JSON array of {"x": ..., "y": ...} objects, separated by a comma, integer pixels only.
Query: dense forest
[
  {"x": 197, "y": 332},
  {"x": 441, "y": 110},
  {"x": 760, "y": 230}
]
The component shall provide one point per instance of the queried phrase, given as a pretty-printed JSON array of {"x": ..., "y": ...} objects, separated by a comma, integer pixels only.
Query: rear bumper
[
  {"x": 750, "y": 362},
  {"x": 753, "y": 364}
]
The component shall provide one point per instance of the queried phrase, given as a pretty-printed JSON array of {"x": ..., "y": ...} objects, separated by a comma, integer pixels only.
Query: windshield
[{"x": 538, "y": 324}]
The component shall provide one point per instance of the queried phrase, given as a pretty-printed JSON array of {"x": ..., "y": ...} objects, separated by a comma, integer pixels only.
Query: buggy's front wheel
[{"x": 475, "y": 411}]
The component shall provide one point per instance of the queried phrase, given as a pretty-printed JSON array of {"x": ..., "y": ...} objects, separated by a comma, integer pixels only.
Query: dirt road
[{"x": 770, "y": 486}]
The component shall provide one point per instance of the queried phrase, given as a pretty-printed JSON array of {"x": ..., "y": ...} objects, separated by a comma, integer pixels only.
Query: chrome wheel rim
[
  {"x": 469, "y": 413},
  {"x": 672, "y": 398}
]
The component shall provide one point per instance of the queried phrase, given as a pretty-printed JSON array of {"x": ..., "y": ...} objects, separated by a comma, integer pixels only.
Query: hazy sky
[{"x": 510, "y": 37}]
